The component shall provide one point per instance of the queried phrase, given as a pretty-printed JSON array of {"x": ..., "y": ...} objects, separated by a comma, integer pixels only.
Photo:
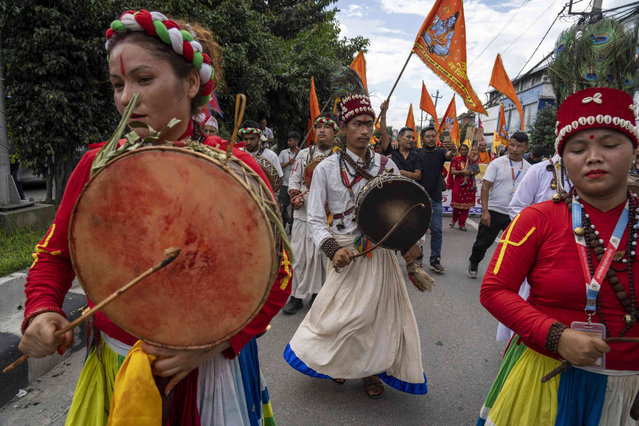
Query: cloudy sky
[{"x": 513, "y": 28}]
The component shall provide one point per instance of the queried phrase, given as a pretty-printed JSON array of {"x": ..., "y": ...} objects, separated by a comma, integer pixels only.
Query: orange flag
[
  {"x": 441, "y": 44},
  {"x": 359, "y": 65},
  {"x": 501, "y": 133},
  {"x": 410, "y": 119},
  {"x": 449, "y": 122},
  {"x": 315, "y": 111},
  {"x": 500, "y": 81},
  {"x": 426, "y": 104}
]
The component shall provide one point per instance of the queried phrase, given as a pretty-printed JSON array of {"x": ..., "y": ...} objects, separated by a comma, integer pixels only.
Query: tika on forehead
[{"x": 122, "y": 66}]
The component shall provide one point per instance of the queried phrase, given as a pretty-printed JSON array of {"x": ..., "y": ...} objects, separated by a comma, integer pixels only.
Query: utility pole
[
  {"x": 437, "y": 97},
  {"x": 9, "y": 197}
]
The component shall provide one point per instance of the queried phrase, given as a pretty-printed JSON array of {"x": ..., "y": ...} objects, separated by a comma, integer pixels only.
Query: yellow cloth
[
  {"x": 523, "y": 399},
  {"x": 136, "y": 398},
  {"x": 92, "y": 396}
]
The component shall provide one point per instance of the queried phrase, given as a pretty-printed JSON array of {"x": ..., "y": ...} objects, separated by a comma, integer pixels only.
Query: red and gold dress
[
  {"x": 49, "y": 280},
  {"x": 463, "y": 191},
  {"x": 540, "y": 245}
]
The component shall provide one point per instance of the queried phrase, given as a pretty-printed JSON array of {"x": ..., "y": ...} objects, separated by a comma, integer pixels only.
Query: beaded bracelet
[
  {"x": 553, "y": 336},
  {"x": 330, "y": 247}
]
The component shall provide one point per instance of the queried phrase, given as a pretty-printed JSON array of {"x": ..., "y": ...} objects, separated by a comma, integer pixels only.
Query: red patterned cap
[
  {"x": 354, "y": 105},
  {"x": 596, "y": 108}
]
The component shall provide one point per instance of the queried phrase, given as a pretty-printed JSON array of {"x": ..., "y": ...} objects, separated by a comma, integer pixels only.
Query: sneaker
[
  {"x": 437, "y": 267},
  {"x": 472, "y": 273},
  {"x": 293, "y": 306},
  {"x": 310, "y": 303}
]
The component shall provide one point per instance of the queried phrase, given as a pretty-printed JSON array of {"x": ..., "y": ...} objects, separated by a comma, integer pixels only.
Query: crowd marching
[{"x": 564, "y": 221}]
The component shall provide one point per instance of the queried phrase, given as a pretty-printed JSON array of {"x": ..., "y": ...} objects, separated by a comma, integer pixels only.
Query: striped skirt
[
  {"x": 220, "y": 391},
  {"x": 575, "y": 397}
]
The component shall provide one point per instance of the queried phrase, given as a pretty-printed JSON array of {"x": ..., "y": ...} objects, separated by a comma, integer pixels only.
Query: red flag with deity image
[{"x": 441, "y": 45}]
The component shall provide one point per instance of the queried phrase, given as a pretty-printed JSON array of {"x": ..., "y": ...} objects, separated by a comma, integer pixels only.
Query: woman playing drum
[
  {"x": 579, "y": 255},
  {"x": 150, "y": 55}
]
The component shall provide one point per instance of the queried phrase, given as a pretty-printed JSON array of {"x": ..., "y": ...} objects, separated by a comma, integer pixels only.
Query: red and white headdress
[
  {"x": 354, "y": 105},
  {"x": 593, "y": 108}
]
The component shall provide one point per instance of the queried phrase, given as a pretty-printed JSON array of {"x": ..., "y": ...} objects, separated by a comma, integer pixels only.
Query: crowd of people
[{"x": 566, "y": 221}]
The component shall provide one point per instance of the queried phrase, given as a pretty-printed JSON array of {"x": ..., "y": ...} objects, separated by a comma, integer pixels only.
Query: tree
[
  {"x": 61, "y": 99},
  {"x": 58, "y": 93},
  {"x": 543, "y": 130}
]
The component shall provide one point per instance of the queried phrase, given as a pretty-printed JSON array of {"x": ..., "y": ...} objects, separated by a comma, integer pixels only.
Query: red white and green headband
[
  {"x": 157, "y": 25},
  {"x": 249, "y": 131},
  {"x": 327, "y": 121}
]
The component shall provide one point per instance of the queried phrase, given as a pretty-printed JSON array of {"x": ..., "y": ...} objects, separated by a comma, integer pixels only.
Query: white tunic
[
  {"x": 362, "y": 322},
  {"x": 271, "y": 157},
  {"x": 309, "y": 263},
  {"x": 327, "y": 187},
  {"x": 296, "y": 180}
]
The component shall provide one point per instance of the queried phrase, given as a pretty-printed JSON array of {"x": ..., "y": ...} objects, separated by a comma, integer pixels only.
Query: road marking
[{"x": 472, "y": 223}]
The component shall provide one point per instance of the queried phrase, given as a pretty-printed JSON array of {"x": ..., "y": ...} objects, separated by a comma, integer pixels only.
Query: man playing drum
[
  {"x": 250, "y": 134},
  {"x": 309, "y": 265},
  {"x": 361, "y": 325}
]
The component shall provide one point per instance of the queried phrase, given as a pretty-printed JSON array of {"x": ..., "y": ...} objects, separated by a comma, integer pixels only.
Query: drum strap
[
  {"x": 344, "y": 214},
  {"x": 382, "y": 165}
]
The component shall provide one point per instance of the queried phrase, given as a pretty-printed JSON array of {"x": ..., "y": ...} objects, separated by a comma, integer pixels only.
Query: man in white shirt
[
  {"x": 309, "y": 263},
  {"x": 250, "y": 134},
  {"x": 287, "y": 159},
  {"x": 361, "y": 325},
  {"x": 501, "y": 179},
  {"x": 269, "y": 138}
]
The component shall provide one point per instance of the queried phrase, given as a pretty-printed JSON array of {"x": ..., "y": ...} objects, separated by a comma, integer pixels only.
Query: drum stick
[
  {"x": 389, "y": 233},
  {"x": 301, "y": 194},
  {"x": 171, "y": 254},
  {"x": 240, "y": 106},
  {"x": 566, "y": 365}
]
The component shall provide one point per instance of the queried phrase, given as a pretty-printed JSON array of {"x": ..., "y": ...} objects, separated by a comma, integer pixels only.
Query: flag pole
[
  {"x": 400, "y": 75},
  {"x": 397, "y": 81},
  {"x": 321, "y": 112}
]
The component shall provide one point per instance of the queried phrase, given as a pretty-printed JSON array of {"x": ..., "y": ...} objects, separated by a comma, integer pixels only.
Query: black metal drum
[{"x": 382, "y": 203}]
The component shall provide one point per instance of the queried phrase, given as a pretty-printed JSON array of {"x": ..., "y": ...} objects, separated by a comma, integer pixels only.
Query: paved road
[{"x": 460, "y": 357}]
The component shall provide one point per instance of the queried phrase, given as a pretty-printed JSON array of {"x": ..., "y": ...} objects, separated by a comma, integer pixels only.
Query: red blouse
[
  {"x": 51, "y": 274},
  {"x": 539, "y": 244}
]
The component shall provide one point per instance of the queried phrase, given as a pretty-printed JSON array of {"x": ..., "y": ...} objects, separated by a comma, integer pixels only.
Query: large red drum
[{"x": 152, "y": 198}]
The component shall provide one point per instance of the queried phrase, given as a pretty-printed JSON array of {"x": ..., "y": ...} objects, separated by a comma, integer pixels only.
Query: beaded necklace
[{"x": 626, "y": 257}]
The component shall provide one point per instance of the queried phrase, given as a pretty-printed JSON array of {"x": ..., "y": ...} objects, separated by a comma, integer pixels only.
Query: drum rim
[
  {"x": 276, "y": 240},
  {"x": 387, "y": 177}
]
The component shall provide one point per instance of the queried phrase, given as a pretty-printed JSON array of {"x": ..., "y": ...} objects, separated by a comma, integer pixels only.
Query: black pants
[
  {"x": 486, "y": 236},
  {"x": 284, "y": 201}
]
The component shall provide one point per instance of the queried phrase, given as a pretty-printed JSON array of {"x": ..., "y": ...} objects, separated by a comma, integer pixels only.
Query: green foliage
[
  {"x": 56, "y": 72},
  {"x": 55, "y": 78},
  {"x": 543, "y": 130},
  {"x": 16, "y": 248}
]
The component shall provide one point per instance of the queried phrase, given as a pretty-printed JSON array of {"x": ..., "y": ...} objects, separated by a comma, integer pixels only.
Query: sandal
[
  {"x": 463, "y": 228},
  {"x": 339, "y": 381},
  {"x": 452, "y": 225},
  {"x": 373, "y": 386}
]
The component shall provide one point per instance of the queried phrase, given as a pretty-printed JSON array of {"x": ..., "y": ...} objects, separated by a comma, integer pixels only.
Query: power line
[
  {"x": 542, "y": 40},
  {"x": 500, "y": 31},
  {"x": 529, "y": 27}
]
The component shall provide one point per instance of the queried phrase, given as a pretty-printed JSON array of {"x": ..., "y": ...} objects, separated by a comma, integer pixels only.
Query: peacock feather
[
  {"x": 601, "y": 54},
  {"x": 346, "y": 81}
]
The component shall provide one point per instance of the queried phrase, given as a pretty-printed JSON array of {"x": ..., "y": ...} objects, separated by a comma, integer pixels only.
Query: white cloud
[{"x": 391, "y": 26}]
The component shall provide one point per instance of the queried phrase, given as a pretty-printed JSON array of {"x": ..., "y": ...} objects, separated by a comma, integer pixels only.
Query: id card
[{"x": 596, "y": 330}]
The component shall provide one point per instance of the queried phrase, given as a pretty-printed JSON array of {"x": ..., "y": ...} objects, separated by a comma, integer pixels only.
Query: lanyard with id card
[{"x": 593, "y": 283}]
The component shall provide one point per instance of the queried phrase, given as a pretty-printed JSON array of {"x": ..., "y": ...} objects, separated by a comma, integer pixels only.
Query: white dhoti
[
  {"x": 361, "y": 324},
  {"x": 309, "y": 263}
]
